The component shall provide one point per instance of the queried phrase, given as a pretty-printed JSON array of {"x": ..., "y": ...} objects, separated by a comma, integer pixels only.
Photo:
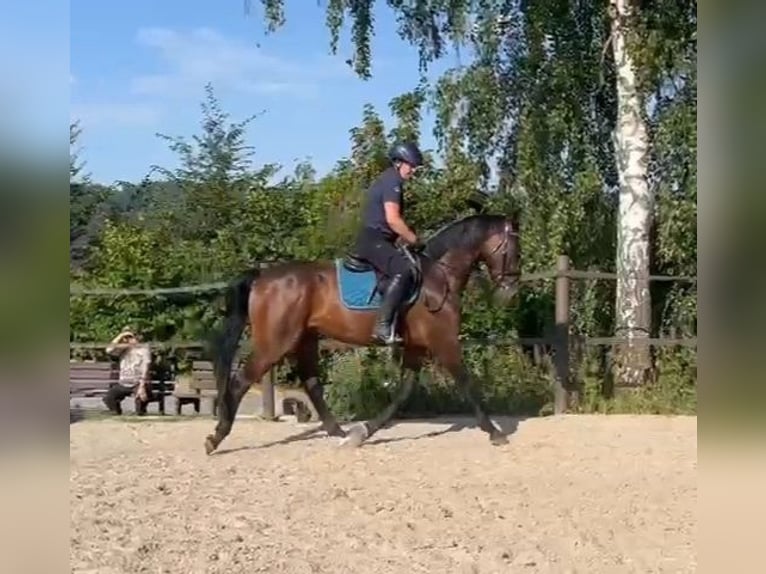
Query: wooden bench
[
  {"x": 203, "y": 382},
  {"x": 296, "y": 402},
  {"x": 157, "y": 390},
  {"x": 160, "y": 386},
  {"x": 185, "y": 395},
  {"x": 202, "y": 385},
  {"x": 92, "y": 378}
]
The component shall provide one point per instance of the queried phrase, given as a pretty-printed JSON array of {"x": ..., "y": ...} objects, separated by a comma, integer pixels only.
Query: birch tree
[{"x": 631, "y": 141}]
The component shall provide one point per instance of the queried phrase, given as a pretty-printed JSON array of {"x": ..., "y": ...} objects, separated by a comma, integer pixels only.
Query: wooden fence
[
  {"x": 565, "y": 393},
  {"x": 561, "y": 341}
]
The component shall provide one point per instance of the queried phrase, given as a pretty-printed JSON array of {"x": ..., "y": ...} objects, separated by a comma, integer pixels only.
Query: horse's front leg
[
  {"x": 449, "y": 355},
  {"x": 412, "y": 362}
]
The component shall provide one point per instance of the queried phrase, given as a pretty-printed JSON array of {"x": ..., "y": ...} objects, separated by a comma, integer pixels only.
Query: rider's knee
[{"x": 404, "y": 271}]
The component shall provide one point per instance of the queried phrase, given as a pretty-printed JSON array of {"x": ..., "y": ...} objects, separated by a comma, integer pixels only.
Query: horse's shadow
[
  {"x": 303, "y": 435},
  {"x": 508, "y": 426}
]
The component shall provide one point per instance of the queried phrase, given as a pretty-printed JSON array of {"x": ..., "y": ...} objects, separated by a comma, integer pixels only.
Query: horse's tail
[{"x": 224, "y": 343}]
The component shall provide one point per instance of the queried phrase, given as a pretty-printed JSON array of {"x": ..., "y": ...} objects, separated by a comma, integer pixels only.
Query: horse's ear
[
  {"x": 477, "y": 201},
  {"x": 515, "y": 218}
]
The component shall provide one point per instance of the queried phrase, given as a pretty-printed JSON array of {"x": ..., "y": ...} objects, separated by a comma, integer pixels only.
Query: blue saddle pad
[{"x": 357, "y": 287}]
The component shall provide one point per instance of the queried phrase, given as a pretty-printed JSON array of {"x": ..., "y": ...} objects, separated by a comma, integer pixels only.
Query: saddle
[{"x": 357, "y": 264}]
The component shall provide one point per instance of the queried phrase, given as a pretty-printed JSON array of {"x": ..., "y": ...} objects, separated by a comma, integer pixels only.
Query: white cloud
[
  {"x": 192, "y": 58},
  {"x": 114, "y": 114}
]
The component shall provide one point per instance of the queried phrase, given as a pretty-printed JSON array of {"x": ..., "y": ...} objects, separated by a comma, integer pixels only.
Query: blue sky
[{"x": 139, "y": 67}]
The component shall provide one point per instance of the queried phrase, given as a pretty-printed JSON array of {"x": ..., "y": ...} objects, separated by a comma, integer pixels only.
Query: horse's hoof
[
  {"x": 356, "y": 435},
  {"x": 210, "y": 444},
  {"x": 336, "y": 432},
  {"x": 498, "y": 439}
]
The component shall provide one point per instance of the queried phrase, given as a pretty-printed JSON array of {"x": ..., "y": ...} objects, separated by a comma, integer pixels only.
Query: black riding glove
[{"x": 413, "y": 247}]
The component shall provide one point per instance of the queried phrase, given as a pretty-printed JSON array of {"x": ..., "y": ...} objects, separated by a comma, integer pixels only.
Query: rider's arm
[
  {"x": 392, "y": 206},
  {"x": 395, "y": 221}
]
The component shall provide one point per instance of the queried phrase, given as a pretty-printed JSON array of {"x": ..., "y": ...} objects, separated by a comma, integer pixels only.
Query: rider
[{"x": 382, "y": 225}]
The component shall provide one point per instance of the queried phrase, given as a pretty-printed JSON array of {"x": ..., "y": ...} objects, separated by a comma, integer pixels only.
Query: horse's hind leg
[
  {"x": 307, "y": 368},
  {"x": 277, "y": 313},
  {"x": 228, "y": 404},
  {"x": 412, "y": 362},
  {"x": 253, "y": 371}
]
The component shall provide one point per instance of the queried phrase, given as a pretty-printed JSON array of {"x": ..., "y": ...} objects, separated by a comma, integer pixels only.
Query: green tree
[
  {"x": 86, "y": 200},
  {"x": 75, "y": 165},
  {"x": 215, "y": 173}
]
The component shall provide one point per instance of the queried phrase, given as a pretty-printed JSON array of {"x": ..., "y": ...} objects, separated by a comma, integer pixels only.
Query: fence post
[
  {"x": 561, "y": 336},
  {"x": 267, "y": 394}
]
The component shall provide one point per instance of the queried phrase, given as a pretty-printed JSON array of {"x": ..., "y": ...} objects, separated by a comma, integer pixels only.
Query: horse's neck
[{"x": 458, "y": 265}]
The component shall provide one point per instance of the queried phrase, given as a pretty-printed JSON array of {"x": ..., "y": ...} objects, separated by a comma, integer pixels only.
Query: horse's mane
[{"x": 465, "y": 233}]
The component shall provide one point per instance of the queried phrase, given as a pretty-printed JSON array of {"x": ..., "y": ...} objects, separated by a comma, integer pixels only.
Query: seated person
[{"x": 135, "y": 362}]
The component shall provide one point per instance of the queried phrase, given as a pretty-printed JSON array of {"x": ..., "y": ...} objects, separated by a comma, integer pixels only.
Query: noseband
[{"x": 505, "y": 245}]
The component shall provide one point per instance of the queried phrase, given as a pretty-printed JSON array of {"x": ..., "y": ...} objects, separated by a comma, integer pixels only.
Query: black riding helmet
[{"x": 407, "y": 152}]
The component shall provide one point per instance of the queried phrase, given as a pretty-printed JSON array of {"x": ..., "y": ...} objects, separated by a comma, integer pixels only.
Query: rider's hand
[{"x": 415, "y": 245}]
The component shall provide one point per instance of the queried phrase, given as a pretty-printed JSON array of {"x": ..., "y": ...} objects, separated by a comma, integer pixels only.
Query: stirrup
[{"x": 390, "y": 338}]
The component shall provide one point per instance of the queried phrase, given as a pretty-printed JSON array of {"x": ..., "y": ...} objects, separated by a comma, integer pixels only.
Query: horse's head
[
  {"x": 500, "y": 252},
  {"x": 491, "y": 239}
]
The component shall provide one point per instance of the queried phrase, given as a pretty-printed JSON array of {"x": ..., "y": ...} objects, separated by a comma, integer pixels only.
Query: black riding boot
[{"x": 384, "y": 330}]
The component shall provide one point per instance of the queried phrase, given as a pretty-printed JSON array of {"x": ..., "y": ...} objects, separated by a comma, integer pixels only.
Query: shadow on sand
[{"x": 508, "y": 425}]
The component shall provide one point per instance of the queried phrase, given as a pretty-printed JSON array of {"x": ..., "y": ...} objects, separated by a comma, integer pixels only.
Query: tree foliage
[{"x": 528, "y": 123}]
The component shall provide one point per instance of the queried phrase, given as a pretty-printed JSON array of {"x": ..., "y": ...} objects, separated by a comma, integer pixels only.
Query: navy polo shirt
[{"x": 388, "y": 187}]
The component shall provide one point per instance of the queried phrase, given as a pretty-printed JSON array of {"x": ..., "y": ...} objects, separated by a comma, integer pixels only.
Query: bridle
[
  {"x": 500, "y": 278},
  {"x": 505, "y": 245}
]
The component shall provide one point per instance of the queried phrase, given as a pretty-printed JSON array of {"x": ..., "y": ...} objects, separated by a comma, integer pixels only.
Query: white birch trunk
[{"x": 633, "y": 305}]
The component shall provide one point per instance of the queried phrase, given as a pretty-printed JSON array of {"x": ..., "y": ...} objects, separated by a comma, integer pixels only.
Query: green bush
[
  {"x": 672, "y": 390},
  {"x": 363, "y": 382},
  {"x": 356, "y": 390}
]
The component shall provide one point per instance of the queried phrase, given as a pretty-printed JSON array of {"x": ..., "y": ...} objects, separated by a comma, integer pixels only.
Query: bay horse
[{"x": 291, "y": 304}]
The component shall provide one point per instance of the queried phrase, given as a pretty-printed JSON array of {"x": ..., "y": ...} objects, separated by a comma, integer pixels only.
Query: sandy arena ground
[{"x": 583, "y": 494}]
